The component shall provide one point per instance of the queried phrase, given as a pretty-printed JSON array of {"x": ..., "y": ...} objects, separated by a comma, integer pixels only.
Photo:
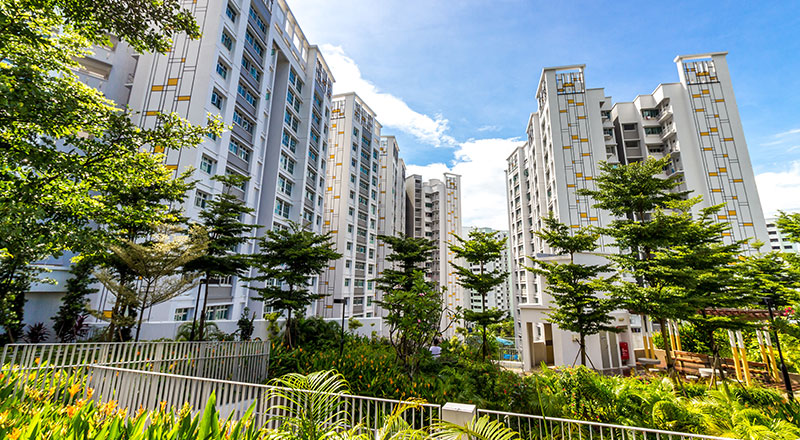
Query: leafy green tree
[
  {"x": 66, "y": 151},
  {"x": 576, "y": 288},
  {"x": 789, "y": 224},
  {"x": 68, "y": 323},
  {"x": 481, "y": 249},
  {"x": 157, "y": 265},
  {"x": 651, "y": 216},
  {"x": 414, "y": 307},
  {"x": 286, "y": 259},
  {"x": 227, "y": 233},
  {"x": 245, "y": 325}
]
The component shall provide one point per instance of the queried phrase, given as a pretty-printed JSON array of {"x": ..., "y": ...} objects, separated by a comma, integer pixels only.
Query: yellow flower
[
  {"x": 73, "y": 390},
  {"x": 37, "y": 360},
  {"x": 71, "y": 410},
  {"x": 89, "y": 393},
  {"x": 15, "y": 434},
  {"x": 163, "y": 405}
]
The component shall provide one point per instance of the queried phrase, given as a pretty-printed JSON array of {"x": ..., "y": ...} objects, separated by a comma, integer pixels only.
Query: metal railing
[
  {"x": 241, "y": 361},
  {"x": 509, "y": 354},
  {"x": 533, "y": 427},
  {"x": 133, "y": 389}
]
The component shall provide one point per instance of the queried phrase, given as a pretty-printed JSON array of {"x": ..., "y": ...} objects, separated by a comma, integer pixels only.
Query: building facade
[
  {"x": 391, "y": 201},
  {"x": 695, "y": 122},
  {"x": 777, "y": 241},
  {"x": 256, "y": 71},
  {"x": 351, "y": 212},
  {"x": 433, "y": 211}
]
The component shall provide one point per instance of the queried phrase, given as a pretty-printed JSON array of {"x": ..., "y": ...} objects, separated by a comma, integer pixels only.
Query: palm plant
[{"x": 482, "y": 428}]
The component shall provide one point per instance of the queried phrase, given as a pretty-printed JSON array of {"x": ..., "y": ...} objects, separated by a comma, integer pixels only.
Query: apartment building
[
  {"x": 351, "y": 210},
  {"x": 777, "y": 241},
  {"x": 433, "y": 211},
  {"x": 695, "y": 122},
  {"x": 391, "y": 199},
  {"x": 500, "y": 297},
  {"x": 255, "y": 69}
]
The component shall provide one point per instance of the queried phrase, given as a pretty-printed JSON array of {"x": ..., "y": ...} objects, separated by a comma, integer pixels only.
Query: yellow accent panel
[
  {"x": 588, "y": 177},
  {"x": 341, "y": 132},
  {"x": 151, "y": 113},
  {"x": 712, "y": 173},
  {"x": 581, "y": 117},
  {"x": 728, "y": 139},
  {"x": 575, "y": 138},
  {"x": 330, "y": 188},
  {"x": 735, "y": 197},
  {"x": 336, "y": 197},
  {"x": 719, "y": 100},
  {"x": 716, "y": 190},
  {"x": 726, "y": 234},
  {"x": 592, "y": 219},
  {"x": 562, "y": 111},
  {"x": 738, "y": 180},
  {"x": 184, "y": 98},
  {"x": 576, "y": 226},
  {"x": 570, "y": 185},
  {"x": 705, "y": 91},
  {"x": 747, "y": 224},
  {"x": 698, "y": 110},
  {"x": 578, "y": 174},
  {"x": 332, "y": 156},
  {"x": 567, "y": 147},
  {"x": 183, "y": 60},
  {"x": 723, "y": 170},
  {"x": 696, "y": 95},
  {"x": 703, "y": 133},
  {"x": 724, "y": 155},
  {"x": 722, "y": 217},
  {"x": 327, "y": 222},
  {"x": 172, "y": 167},
  {"x": 584, "y": 140},
  {"x": 172, "y": 82},
  {"x": 579, "y": 104},
  {"x": 731, "y": 212},
  {"x": 337, "y": 163},
  {"x": 586, "y": 154},
  {"x": 713, "y": 129},
  {"x": 157, "y": 88},
  {"x": 707, "y": 148},
  {"x": 158, "y": 149},
  {"x": 570, "y": 101},
  {"x": 583, "y": 215}
]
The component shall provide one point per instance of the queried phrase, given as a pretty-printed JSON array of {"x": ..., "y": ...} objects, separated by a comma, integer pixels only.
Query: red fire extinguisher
[{"x": 623, "y": 351}]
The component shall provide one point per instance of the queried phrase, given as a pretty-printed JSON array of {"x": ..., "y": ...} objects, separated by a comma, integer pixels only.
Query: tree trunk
[
  {"x": 288, "y": 332},
  {"x": 484, "y": 342},
  {"x": 671, "y": 372},
  {"x": 201, "y": 328},
  {"x": 583, "y": 349},
  {"x": 139, "y": 325},
  {"x": 196, "y": 308}
]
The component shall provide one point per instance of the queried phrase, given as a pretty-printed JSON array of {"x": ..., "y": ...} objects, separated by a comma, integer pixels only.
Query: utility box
[{"x": 458, "y": 413}]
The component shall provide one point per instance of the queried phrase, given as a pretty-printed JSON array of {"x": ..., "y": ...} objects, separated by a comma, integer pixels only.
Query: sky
[{"x": 454, "y": 80}]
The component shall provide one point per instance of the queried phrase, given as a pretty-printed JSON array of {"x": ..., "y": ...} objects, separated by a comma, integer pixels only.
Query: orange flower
[
  {"x": 71, "y": 410},
  {"x": 15, "y": 434},
  {"x": 73, "y": 390},
  {"x": 89, "y": 393}
]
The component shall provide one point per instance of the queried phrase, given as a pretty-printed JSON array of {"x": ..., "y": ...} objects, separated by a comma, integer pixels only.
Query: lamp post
[
  {"x": 343, "y": 302},
  {"x": 786, "y": 380}
]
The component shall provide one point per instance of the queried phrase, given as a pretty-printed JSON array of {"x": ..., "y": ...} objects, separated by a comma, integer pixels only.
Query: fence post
[{"x": 458, "y": 413}]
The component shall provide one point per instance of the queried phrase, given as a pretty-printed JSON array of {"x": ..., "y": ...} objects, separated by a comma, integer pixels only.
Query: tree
[
  {"x": 66, "y": 151},
  {"x": 789, "y": 224},
  {"x": 414, "y": 307},
  {"x": 68, "y": 323},
  {"x": 651, "y": 216},
  {"x": 245, "y": 325},
  {"x": 576, "y": 287},
  {"x": 226, "y": 233},
  {"x": 157, "y": 265},
  {"x": 285, "y": 261},
  {"x": 481, "y": 249}
]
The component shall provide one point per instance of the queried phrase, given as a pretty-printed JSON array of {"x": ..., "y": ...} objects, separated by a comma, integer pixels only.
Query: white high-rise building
[
  {"x": 351, "y": 210},
  {"x": 254, "y": 68},
  {"x": 777, "y": 241},
  {"x": 694, "y": 121},
  {"x": 433, "y": 211},
  {"x": 500, "y": 297},
  {"x": 391, "y": 199}
]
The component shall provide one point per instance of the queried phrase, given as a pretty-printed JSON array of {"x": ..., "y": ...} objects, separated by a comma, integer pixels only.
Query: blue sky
[{"x": 454, "y": 81}]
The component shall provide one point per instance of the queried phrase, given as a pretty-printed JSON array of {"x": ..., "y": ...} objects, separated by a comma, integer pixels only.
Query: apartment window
[
  {"x": 239, "y": 150},
  {"x": 285, "y": 186},
  {"x": 369, "y": 285},
  {"x": 352, "y": 178},
  {"x": 183, "y": 314},
  {"x": 231, "y": 13},
  {"x": 313, "y": 156},
  {"x": 201, "y": 199},
  {"x": 355, "y": 146},
  {"x": 218, "y": 312},
  {"x": 222, "y": 70},
  {"x": 249, "y": 67},
  {"x": 282, "y": 208},
  {"x": 652, "y": 130},
  {"x": 361, "y": 249},
  {"x": 208, "y": 165},
  {"x": 251, "y": 40},
  {"x": 355, "y": 133},
  {"x": 358, "y": 301},
  {"x": 243, "y": 122},
  {"x": 287, "y": 163},
  {"x": 349, "y": 229},
  {"x": 349, "y": 246},
  {"x": 360, "y": 265},
  {"x": 226, "y": 40},
  {"x": 359, "y": 283},
  {"x": 350, "y": 211},
  {"x": 347, "y": 282},
  {"x": 352, "y": 195},
  {"x": 372, "y": 253},
  {"x": 216, "y": 99},
  {"x": 629, "y": 127},
  {"x": 369, "y": 301},
  {"x": 292, "y": 76},
  {"x": 257, "y": 18},
  {"x": 244, "y": 92},
  {"x": 347, "y": 264}
]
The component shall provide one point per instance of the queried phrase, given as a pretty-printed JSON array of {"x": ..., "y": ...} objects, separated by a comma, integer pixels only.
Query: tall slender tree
[
  {"x": 227, "y": 233},
  {"x": 481, "y": 249},
  {"x": 286, "y": 260},
  {"x": 67, "y": 324},
  {"x": 415, "y": 311},
  {"x": 577, "y": 289}
]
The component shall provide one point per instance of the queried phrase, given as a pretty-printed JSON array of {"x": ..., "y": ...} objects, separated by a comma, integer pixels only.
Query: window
[
  {"x": 244, "y": 92},
  {"x": 369, "y": 285},
  {"x": 282, "y": 208},
  {"x": 347, "y": 264},
  {"x": 629, "y": 127},
  {"x": 313, "y": 156},
  {"x": 355, "y": 132},
  {"x": 251, "y": 68},
  {"x": 243, "y": 122},
  {"x": 218, "y": 312},
  {"x": 361, "y": 249},
  {"x": 201, "y": 199},
  {"x": 358, "y": 301},
  {"x": 251, "y": 41},
  {"x": 287, "y": 164},
  {"x": 239, "y": 150},
  {"x": 352, "y": 195},
  {"x": 349, "y": 229},
  {"x": 349, "y": 246},
  {"x": 226, "y": 40},
  {"x": 352, "y": 178},
  {"x": 359, "y": 283},
  {"x": 292, "y": 76},
  {"x": 257, "y": 18},
  {"x": 231, "y": 13},
  {"x": 285, "y": 186},
  {"x": 216, "y": 99},
  {"x": 347, "y": 281},
  {"x": 208, "y": 165},
  {"x": 183, "y": 314},
  {"x": 222, "y": 70},
  {"x": 652, "y": 130}
]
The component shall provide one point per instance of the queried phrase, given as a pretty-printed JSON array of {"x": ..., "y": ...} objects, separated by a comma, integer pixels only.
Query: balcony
[
  {"x": 665, "y": 114},
  {"x": 668, "y": 132}
]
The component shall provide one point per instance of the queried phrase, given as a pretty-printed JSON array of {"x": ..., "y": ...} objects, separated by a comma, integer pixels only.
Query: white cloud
[
  {"x": 788, "y": 132},
  {"x": 780, "y": 190},
  {"x": 391, "y": 111},
  {"x": 489, "y": 128},
  {"x": 481, "y": 164}
]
